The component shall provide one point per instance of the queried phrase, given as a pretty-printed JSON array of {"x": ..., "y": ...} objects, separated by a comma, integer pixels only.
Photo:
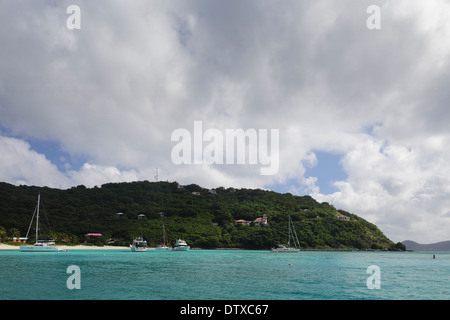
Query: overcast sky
[{"x": 363, "y": 115}]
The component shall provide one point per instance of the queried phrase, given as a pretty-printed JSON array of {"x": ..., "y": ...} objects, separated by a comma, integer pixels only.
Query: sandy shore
[{"x": 6, "y": 247}]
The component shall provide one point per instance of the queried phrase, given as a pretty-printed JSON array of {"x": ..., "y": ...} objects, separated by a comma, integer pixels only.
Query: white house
[{"x": 261, "y": 221}]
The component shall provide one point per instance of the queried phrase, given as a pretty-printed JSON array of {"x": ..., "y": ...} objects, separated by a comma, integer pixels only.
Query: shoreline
[{"x": 85, "y": 247}]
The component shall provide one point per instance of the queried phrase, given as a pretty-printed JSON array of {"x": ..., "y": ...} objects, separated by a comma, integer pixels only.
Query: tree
[
  {"x": 13, "y": 233},
  {"x": 398, "y": 246},
  {"x": 3, "y": 235}
]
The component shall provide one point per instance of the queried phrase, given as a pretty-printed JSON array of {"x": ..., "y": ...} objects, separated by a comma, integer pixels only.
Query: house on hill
[
  {"x": 261, "y": 221},
  {"x": 342, "y": 217},
  {"x": 242, "y": 221}
]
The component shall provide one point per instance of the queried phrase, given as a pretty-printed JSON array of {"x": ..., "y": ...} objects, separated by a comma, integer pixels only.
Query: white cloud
[
  {"x": 95, "y": 175},
  {"x": 400, "y": 189},
  {"x": 21, "y": 165}
]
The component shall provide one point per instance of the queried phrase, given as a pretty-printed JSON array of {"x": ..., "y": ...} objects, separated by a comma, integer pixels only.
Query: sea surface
[{"x": 223, "y": 275}]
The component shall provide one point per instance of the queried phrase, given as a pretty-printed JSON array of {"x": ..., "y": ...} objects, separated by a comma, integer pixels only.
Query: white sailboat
[
  {"x": 163, "y": 246},
  {"x": 40, "y": 245},
  {"x": 292, "y": 234}
]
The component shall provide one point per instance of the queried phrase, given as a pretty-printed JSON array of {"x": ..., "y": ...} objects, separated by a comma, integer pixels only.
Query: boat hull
[
  {"x": 138, "y": 245},
  {"x": 39, "y": 249},
  {"x": 180, "y": 245},
  {"x": 181, "y": 248},
  {"x": 285, "y": 250},
  {"x": 134, "y": 249}
]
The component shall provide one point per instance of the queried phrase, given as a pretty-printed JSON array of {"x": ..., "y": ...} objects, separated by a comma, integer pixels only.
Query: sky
[{"x": 350, "y": 105}]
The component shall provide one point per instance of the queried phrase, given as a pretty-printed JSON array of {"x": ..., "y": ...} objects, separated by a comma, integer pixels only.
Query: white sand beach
[{"x": 83, "y": 247}]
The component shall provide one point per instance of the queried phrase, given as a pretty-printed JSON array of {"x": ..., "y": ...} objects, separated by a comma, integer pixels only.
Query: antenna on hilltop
[{"x": 156, "y": 175}]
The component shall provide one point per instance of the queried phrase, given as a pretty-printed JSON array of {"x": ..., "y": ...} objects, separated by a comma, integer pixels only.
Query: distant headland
[{"x": 438, "y": 246}]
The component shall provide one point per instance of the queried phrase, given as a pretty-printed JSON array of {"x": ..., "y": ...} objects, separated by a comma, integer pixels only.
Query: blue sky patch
[{"x": 327, "y": 171}]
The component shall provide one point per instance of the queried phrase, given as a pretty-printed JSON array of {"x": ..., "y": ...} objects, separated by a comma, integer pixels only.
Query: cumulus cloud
[
  {"x": 399, "y": 188},
  {"x": 112, "y": 93},
  {"x": 21, "y": 165},
  {"x": 95, "y": 175}
]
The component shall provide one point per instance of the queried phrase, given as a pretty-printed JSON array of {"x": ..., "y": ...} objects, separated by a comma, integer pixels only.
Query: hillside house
[
  {"x": 242, "y": 221},
  {"x": 261, "y": 221},
  {"x": 342, "y": 217}
]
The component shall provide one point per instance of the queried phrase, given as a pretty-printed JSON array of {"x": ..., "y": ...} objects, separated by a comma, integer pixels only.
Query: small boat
[
  {"x": 139, "y": 245},
  {"x": 283, "y": 248},
  {"x": 292, "y": 234},
  {"x": 40, "y": 245},
  {"x": 180, "y": 245},
  {"x": 163, "y": 245}
]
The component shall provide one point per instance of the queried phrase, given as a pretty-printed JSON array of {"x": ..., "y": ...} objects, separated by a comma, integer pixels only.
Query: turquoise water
[{"x": 223, "y": 275}]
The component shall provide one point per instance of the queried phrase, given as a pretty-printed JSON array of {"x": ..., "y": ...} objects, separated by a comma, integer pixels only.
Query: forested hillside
[{"x": 122, "y": 211}]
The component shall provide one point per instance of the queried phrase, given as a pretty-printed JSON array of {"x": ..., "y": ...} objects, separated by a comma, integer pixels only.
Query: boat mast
[
  {"x": 165, "y": 236},
  {"x": 37, "y": 217},
  {"x": 289, "y": 237},
  {"x": 294, "y": 235}
]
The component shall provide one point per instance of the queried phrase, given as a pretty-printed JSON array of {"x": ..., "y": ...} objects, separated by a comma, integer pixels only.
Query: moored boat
[
  {"x": 40, "y": 245},
  {"x": 284, "y": 249},
  {"x": 281, "y": 248},
  {"x": 181, "y": 245},
  {"x": 139, "y": 245},
  {"x": 163, "y": 246}
]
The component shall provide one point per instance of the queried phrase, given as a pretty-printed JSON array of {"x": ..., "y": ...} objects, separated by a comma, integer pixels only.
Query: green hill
[{"x": 122, "y": 211}]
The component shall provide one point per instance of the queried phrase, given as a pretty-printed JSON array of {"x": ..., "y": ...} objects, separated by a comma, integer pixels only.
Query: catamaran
[
  {"x": 40, "y": 245},
  {"x": 293, "y": 235}
]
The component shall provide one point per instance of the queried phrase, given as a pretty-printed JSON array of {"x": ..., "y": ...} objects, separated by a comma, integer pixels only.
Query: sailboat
[
  {"x": 163, "y": 246},
  {"x": 40, "y": 245},
  {"x": 293, "y": 235}
]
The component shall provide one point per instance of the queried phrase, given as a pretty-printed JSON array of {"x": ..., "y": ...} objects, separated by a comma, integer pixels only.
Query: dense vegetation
[{"x": 206, "y": 220}]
